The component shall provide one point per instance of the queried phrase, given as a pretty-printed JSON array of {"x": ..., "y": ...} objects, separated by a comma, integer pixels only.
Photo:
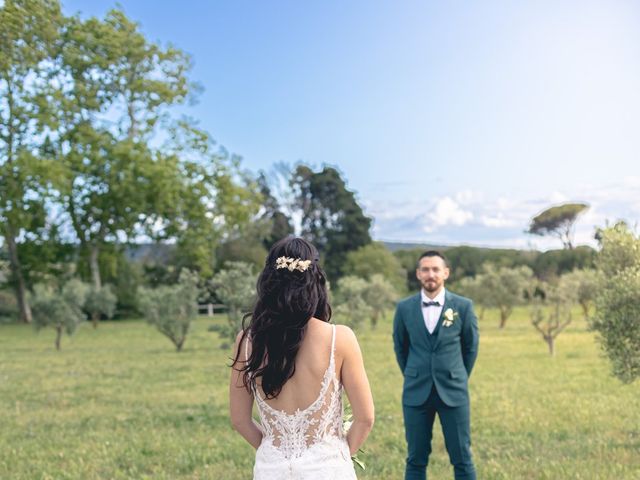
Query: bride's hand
[{"x": 356, "y": 385}]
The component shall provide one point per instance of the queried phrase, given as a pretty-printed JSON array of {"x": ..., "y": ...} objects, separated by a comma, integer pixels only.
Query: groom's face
[{"x": 431, "y": 273}]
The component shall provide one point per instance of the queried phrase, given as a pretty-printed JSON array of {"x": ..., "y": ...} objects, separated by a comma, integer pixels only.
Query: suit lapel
[{"x": 448, "y": 301}]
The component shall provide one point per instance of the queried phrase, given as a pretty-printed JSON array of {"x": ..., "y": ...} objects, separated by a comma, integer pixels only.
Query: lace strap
[{"x": 333, "y": 345}]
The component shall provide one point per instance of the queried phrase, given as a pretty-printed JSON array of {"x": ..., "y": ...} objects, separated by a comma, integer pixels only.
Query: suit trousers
[{"x": 456, "y": 428}]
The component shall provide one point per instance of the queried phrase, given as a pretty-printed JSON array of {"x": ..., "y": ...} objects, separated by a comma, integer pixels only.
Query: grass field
[{"x": 119, "y": 403}]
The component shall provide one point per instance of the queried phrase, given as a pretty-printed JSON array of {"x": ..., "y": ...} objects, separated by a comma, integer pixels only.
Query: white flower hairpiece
[{"x": 292, "y": 264}]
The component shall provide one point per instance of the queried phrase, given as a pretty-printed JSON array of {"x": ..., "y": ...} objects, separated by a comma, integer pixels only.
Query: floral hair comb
[{"x": 292, "y": 264}]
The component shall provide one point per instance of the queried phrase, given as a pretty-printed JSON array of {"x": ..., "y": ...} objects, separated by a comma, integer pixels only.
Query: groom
[{"x": 435, "y": 337}]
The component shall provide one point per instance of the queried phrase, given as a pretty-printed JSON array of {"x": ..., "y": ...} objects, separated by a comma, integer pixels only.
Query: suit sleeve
[
  {"x": 469, "y": 338},
  {"x": 400, "y": 339}
]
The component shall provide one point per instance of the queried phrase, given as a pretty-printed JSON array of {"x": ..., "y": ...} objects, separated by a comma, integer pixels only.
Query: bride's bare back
[
  {"x": 305, "y": 386},
  {"x": 312, "y": 361}
]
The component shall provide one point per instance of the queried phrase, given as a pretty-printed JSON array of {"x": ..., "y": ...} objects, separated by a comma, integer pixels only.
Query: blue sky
[{"x": 454, "y": 122}]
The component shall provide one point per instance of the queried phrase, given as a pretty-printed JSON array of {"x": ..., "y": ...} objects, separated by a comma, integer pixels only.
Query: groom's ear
[{"x": 446, "y": 273}]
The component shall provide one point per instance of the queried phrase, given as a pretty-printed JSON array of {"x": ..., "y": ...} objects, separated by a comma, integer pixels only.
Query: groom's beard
[{"x": 432, "y": 286}]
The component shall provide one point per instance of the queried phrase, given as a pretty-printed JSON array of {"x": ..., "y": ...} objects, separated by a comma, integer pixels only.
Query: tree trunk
[
  {"x": 94, "y": 252},
  {"x": 481, "y": 313},
  {"x": 549, "y": 340},
  {"x": 374, "y": 319},
  {"x": 179, "y": 344},
  {"x": 95, "y": 318},
  {"x": 503, "y": 318},
  {"x": 58, "y": 336},
  {"x": 16, "y": 270},
  {"x": 585, "y": 310}
]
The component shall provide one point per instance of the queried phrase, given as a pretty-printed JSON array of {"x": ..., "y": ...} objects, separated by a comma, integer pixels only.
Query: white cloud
[
  {"x": 447, "y": 212},
  {"x": 473, "y": 218},
  {"x": 466, "y": 197},
  {"x": 498, "y": 221}
]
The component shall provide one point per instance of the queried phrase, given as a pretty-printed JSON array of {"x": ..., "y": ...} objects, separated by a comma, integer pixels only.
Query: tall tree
[
  {"x": 558, "y": 221},
  {"x": 330, "y": 215},
  {"x": 206, "y": 199},
  {"x": 116, "y": 87},
  {"x": 28, "y": 35},
  {"x": 280, "y": 224}
]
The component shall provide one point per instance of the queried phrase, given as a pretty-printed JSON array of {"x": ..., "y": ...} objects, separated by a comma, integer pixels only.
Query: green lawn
[{"x": 118, "y": 402}]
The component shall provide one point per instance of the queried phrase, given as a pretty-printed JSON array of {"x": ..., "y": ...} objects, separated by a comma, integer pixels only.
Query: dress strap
[
  {"x": 246, "y": 348},
  {"x": 333, "y": 344}
]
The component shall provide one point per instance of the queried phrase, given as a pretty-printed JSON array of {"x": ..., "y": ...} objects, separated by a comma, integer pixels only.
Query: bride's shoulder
[{"x": 345, "y": 338}]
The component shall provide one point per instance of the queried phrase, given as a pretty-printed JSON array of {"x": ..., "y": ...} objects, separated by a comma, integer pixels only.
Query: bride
[{"x": 295, "y": 364}]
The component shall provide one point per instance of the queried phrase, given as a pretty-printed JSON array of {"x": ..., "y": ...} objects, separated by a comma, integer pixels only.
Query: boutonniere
[{"x": 449, "y": 317}]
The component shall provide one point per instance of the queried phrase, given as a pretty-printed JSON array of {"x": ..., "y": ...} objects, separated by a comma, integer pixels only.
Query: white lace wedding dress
[{"x": 309, "y": 444}]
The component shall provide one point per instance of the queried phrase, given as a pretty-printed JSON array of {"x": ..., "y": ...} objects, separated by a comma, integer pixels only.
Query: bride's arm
[
  {"x": 356, "y": 385},
  {"x": 241, "y": 403}
]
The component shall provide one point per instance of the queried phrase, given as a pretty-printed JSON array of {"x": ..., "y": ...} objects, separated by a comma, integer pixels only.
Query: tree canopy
[
  {"x": 330, "y": 215},
  {"x": 558, "y": 221},
  {"x": 617, "y": 300}
]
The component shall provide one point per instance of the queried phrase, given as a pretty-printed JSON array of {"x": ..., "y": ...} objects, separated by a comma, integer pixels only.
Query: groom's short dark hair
[{"x": 432, "y": 253}]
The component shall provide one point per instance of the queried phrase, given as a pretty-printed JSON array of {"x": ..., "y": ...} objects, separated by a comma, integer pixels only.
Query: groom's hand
[
  {"x": 400, "y": 340},
  {"x": 469, "y": 338}
]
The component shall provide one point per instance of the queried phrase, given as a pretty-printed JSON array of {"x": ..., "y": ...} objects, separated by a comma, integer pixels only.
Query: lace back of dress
[{"x": 294, "y": 433}]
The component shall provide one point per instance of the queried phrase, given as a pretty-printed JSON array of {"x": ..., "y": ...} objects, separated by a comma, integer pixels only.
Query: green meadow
[{"x": 118, "y": 402}]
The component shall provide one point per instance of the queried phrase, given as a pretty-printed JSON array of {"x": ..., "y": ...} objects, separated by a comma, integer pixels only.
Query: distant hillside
[
  {"x": 162, "y": 253},
  {"x": 394, "y": 246}
]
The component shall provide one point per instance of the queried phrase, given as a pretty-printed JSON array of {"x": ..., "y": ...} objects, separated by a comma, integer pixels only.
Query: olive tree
[
  {"x": 380, "y": 296},
  {"x": 60, "y": 308},
  {"x": 473, "y": 288},
  {"x": 504, "y": 288},
  {"x": 100, "y": 301},
  {"x": 617, "y": 300},
  {"x": 235, "y": 286},
  {"x": 171, "y": 308},
  {"x": 584, "y": 284},
  {"x": 553, "y": 314},
  {"x": 352, "y": 307},
  {"x": 375, "y": 258}
]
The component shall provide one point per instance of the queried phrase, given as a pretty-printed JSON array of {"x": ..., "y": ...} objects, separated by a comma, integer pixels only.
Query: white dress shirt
[{"x": 431, "y": 314}]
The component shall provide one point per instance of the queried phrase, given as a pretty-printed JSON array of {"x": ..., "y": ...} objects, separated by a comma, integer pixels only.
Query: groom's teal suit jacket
[{"x": 444, "y": 358}]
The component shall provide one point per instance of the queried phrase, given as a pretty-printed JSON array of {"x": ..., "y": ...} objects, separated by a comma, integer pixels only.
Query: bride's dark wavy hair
[{"x": 285, "y": 303}]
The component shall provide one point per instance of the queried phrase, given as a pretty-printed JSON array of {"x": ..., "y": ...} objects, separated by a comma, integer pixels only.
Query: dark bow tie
[{"x": 431, "y": 304}]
